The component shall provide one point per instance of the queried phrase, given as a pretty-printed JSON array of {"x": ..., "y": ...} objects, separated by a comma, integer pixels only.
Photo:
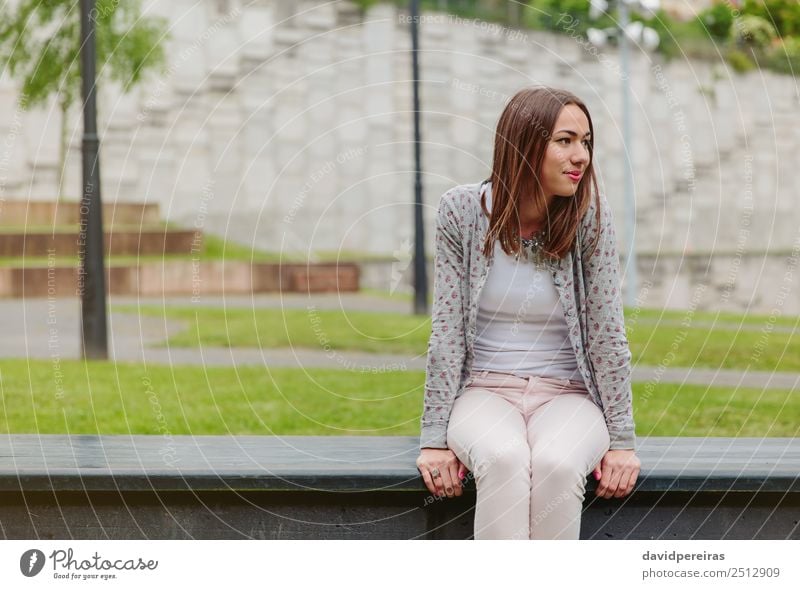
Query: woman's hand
[
  {"x": 442, "y": 471},
  {"x": 616, "y": 473}
]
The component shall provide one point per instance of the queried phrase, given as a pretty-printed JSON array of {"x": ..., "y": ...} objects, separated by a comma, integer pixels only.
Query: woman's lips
[{"x": 574, "y": 176}]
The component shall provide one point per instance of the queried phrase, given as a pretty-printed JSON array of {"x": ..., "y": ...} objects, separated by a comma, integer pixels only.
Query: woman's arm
[
  {"x": 608, "y": 348},
  {"x": 447, "y": 344}
]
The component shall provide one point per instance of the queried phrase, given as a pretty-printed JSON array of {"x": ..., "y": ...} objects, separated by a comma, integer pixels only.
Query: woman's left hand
[{"x": 617, "y": 473}]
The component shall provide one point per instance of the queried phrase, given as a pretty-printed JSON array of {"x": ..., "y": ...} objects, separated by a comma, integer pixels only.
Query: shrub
[
  {"x": 718, "y": 20},
  {"x": 678, "y": 38},
  {"x": 784, "y": 14},
  {"x": 739, "y": 61},
  {"x": 753, "y": 32},
  {"x": 552, "y": 15},
  {"x": 784, "y": 56}
]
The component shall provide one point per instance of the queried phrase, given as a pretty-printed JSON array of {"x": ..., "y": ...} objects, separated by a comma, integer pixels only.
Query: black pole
[
  {"x": 420, "y": 272},
  {"x": 91, "y": 277}
]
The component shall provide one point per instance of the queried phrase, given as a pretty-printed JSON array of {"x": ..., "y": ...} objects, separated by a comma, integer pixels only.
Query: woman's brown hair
[{"x": 523, "y": 131}]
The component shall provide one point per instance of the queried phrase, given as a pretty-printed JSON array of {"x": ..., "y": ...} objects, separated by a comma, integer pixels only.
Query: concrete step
[
  {"x": 24, "y": 213},
  {"x": 184, "y": 277},
  {"x": 122, "y": 242}
]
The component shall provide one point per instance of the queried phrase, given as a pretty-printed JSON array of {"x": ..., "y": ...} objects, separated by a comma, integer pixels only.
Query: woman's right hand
[{"x": 449, "y": 468}]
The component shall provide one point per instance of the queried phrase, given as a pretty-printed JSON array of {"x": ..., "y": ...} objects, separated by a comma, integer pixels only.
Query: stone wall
[{"x": 288, "y": 126}]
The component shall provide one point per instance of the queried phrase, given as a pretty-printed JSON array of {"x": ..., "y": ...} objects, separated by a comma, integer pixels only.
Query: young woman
[{"x": 528, "y": 367}]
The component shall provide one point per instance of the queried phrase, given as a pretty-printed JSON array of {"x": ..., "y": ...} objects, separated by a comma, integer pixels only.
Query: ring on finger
[{"x": 435, "y": 473}]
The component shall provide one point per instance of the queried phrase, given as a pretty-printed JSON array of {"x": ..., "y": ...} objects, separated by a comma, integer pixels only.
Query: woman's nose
[{"x": 581, "y": 154}]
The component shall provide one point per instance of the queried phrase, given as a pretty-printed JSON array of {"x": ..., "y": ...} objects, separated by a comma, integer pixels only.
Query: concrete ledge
[
  {"x": 362, "y": 487},
  {"x": 128, "y": 242},
  {"x": 186, "y": 277},
  {"x": 21, "y": 213}
]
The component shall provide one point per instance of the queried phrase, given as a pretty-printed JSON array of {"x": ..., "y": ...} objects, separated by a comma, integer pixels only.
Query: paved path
[
  {"x": 379, "y": 363},
  {"x": 347, "y": 300},
  {"x": 38, "y": 328},
  {"x": 376, "y": 303}
]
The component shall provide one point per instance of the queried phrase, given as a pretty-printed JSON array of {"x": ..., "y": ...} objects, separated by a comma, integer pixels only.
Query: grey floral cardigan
[{"x": 589, "y": 289}]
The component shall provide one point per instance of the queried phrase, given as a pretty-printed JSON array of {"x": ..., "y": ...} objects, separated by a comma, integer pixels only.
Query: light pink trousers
[{"x": 530, "y": 443}]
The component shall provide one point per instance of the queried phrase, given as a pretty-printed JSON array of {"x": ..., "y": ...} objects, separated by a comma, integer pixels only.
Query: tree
[
  {"x": 40, "y": 46},
  {"x": 784, "y": 15}
]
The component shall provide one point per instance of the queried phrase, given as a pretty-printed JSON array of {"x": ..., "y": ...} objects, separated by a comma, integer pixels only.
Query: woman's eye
[{"x": 585, "y": 142}]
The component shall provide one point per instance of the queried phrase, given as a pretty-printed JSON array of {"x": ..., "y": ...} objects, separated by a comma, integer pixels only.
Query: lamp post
[
  {"x": 91, "y": 281},
  {"x": 649, "y": 40},
  {"x": 420, "y": 271}
]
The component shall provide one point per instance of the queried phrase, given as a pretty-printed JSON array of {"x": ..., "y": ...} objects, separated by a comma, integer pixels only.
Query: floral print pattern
[{"x": 590, "y": 293}]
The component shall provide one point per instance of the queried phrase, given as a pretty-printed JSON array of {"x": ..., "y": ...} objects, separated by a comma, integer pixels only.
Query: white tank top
[{"x": 521, "y": 328}]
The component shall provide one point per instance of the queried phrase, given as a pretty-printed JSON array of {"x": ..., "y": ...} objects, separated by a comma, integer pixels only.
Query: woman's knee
[
  {"x": 509, "y": 458},
  {"x": 557, "y": 469}
]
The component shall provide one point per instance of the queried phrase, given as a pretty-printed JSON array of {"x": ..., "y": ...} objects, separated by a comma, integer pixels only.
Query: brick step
[
  {"x": 125, "y": 242},
  {"x": 185, "y": 277},
  {"x": 24, "y": 213}
]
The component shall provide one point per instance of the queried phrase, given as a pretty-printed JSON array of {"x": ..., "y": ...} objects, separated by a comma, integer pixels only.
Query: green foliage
[
  {"x": 40, "y": 46},
  {"x": 740, "y": 61},
  {"x": 678, "y": 38},
  {"x": 716, "y": 31},
  {"x": 551, "y": 15},
  {"x": 783, "y": 14},
  {"x": 570, "y": 16},
  {"x": 784, "y": 56},
  {"x": 718, "y": 20},
  {"x": 753, "y": 32},
  {"x": 364, "y": 5}
]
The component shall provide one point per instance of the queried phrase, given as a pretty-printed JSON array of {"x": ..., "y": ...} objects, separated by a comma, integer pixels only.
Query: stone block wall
[{"x": 288, "y": 126}]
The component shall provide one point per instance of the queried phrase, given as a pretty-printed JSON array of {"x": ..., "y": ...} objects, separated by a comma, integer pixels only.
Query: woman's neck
[{"x": 532, "y": 218}]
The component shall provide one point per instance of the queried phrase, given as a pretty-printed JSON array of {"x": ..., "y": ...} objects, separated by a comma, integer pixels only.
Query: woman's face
[{"x": 567, "y": 154}]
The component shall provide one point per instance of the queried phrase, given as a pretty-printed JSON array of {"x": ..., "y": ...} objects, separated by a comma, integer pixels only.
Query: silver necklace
[
  {"x": 533, "y": 249},
  {"x": 535, "y": 241}
]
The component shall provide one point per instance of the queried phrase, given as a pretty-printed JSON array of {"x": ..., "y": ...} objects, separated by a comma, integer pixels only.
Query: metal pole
[
  {"x": 91, "y": 277},
  {"x": 420, "y": 271},
  {"x": 630, "y": 203}
]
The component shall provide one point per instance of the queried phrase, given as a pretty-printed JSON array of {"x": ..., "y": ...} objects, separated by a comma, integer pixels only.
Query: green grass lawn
[
  {"x": 388, "y": 333},
  {"x": 105, "y": 398},
  {"x": 719, "y": 348},
  {"x": 644, "y": 316},
  {"x": 656, "y": 337}
]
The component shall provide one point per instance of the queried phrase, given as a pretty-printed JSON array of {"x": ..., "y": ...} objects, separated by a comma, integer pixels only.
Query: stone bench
[{"x": 314, "y": 487}]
